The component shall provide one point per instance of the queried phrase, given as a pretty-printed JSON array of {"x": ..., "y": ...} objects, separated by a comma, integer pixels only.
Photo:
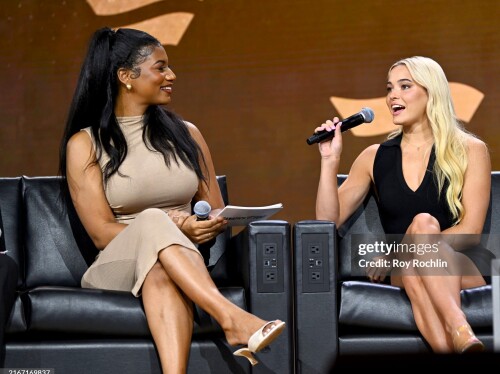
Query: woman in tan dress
[{"x": 133, "y": 169}]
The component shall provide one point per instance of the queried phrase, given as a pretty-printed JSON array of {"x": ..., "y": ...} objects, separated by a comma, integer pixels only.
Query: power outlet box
[
  {"x": 270, "y": 277},
  {"x": 315, "y": 264}
]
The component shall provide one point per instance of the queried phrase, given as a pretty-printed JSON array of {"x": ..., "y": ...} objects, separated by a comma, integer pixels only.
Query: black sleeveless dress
[{"x": 398, "y": 204}]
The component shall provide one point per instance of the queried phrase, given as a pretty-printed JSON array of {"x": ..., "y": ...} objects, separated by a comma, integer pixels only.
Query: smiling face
[
  {"x": 406, "y": 99},
  {"x": 152, "y": 79}
]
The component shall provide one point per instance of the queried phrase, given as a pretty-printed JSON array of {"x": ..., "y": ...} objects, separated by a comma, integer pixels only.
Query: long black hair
[{"x": 95, "y": 97}]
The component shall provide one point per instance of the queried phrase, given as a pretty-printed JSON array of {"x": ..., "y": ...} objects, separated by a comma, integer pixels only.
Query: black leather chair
[
  {"x": 8, "y": 285},
  {"x": 342, "y": 315},
  {"x": 57, "y": 324}
]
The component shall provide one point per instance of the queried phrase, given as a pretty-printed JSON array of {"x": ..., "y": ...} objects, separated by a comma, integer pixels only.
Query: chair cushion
[
  {"x": 380, "y": 306},
  {"x": 375, "y": 306},
  {"x": 71, "y": 310}
]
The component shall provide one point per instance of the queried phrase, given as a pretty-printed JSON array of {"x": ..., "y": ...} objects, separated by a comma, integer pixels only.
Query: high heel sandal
[
  {"x": 464, "y": 340},
  {"x": 259, "y": 340}
]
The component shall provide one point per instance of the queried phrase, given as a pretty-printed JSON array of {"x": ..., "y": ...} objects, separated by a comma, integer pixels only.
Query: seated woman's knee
[
  {"x": 152, "y": 213},
  {"x": 158, "y": 275},
  {"x": 151, "y": 217},
  {"x": 424, "y": 223}
]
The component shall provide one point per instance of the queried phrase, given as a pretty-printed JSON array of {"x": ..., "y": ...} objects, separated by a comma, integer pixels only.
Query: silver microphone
[{"x": 202, "y": 210}]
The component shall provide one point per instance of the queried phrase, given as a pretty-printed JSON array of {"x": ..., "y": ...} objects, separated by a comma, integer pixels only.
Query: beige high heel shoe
[
  {"x": 260, "y": 339},
  {"x": 464, "y": 340}
]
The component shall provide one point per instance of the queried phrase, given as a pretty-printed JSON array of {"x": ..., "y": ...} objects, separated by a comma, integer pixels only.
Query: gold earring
[{"x": 129, "y": 86}]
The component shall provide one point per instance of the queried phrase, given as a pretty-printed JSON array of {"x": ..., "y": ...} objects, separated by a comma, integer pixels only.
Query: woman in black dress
[{"x": 431, "y": 178}]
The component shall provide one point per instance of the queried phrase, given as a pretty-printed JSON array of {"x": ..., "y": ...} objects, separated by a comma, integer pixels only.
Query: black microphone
[
  {"x": 202, "y": 209},
  {"x": 365, "y": 116}
]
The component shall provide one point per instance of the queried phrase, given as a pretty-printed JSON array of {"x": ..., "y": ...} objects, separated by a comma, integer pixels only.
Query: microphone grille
[
  {"x": 368, "y": 114},
  {"x": 202, "y": 208}
]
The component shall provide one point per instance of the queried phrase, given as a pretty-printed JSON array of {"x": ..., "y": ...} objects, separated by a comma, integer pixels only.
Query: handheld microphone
[
  {"x": 202, "y": 210},
  {"x": 366, "y": 115}
]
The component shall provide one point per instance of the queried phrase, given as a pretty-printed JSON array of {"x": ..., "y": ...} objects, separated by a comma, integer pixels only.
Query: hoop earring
[{"x": 129, "y": 86}]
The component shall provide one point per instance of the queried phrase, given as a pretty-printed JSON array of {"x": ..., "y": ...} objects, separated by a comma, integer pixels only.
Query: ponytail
[{"x": 94, "y": 102}]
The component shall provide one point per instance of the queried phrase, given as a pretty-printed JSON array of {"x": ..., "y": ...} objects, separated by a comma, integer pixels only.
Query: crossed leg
[
  {"x": 178, "y": 279},
  {"x": 435, "y": 299},
  {"x": 170, "y": 319}
]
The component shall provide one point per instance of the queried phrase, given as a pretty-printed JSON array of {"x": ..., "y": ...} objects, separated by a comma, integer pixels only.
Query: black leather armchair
[
  {"x": 57, "y": 324},
  {"x": 339, "y": 314}
]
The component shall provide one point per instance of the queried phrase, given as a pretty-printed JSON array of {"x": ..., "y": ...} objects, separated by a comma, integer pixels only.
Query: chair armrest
[{"x": 316, "y": 295}]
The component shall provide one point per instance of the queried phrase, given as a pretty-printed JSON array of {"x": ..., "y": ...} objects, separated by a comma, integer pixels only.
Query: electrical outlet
[
  {"x": 270, "y": 276},
  {"x": 270, "y": 249},
  {"x": 314, "y": 249},
  {"x": 269, "y": 272},
  {"x": 316, "y": 276},
  {"x": 315, "y": 265}
]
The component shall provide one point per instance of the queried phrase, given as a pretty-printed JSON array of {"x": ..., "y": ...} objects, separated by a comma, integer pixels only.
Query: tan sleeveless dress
[{"x": 141, "y": 197}]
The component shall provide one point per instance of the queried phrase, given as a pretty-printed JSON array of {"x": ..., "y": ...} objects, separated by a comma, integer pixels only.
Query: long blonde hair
[{"x": 448, "y": 132}]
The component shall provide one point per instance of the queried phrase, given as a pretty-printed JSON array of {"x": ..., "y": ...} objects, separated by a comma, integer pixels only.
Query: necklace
[{"x": 420, "y": 145}]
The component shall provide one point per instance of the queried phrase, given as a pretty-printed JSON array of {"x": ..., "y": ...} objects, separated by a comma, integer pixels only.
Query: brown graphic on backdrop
[{"x": 466, "y": 100}]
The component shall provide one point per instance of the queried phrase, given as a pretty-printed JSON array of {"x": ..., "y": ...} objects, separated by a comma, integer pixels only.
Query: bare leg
[
  {"x": 435, "y": 299},
  {"x": 187, "y": 270},
  {"x": 426, "y": 317},
  {"x": 170, "y": 319}
]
